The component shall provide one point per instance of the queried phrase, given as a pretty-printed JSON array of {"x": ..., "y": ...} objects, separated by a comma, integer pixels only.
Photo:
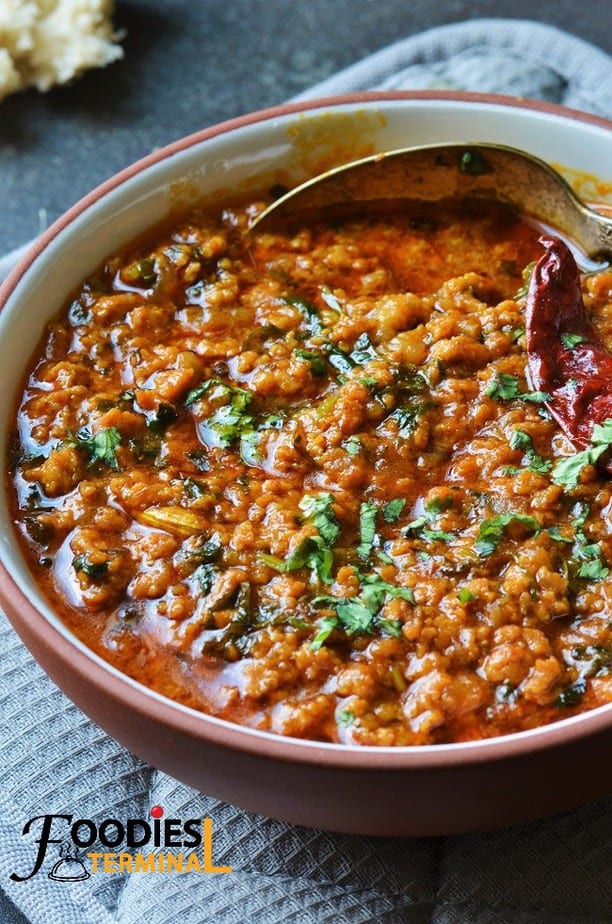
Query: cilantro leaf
[
  {"x": 315, "y": 359},
  {"x": 375, "y": 589},
  {"x": 94, "y": 570},
  {"x": 307, "y": 309},
  {"x": 438, "y": 504},
  {"x": 363, "y": 351},
  {"x": 505, "y": 387},
  {"x": 249, "y": 447},
  {"x": 407, "y": 415},
  {"x": 535, "y": 462},
  {"x": 393, "y": 509},
  {"x": 526, "y": 274},
  {"x": 593, "y": 570},
  {"x": 436, "y": 535},
  {"x": 320, "y": 509},
  {"x": 311, "y": 552},
  {"x": 326, "y": 625},
  {"x": 337, "y": 358},
  {"x": 465, "y": 595},
  {"x": 567, "y": 471},
  {"x": 473, "y": 163},
  {"x": 367, "y": 528},
  {"x": 570, "y": 341},
  {"x": 572, "y": 695},
  {"x": 492, "y": 531},
  {"x": 592, "y": 567},
  {"x": 424, "y": 523},
  {"x": 228, "y": 422},
  {"x": 344, "y": 718},
  {"x": 352, "y": 445},
  {"x": 101, "y": 447},
  {"x": 360, "y": 615}
]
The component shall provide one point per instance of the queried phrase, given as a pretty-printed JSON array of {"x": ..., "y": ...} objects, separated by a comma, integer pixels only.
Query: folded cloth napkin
[{"x": 53, "y": 759}]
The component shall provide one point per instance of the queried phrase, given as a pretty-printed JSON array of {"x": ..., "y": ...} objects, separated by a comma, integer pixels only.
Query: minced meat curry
[{"x": 303, "y": 480}]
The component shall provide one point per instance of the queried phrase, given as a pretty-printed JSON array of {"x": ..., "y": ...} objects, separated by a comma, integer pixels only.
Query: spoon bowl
[{"x": 450, "y": 171}]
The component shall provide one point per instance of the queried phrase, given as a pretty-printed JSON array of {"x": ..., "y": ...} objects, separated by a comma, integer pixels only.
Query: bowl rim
[
  {"x": 266, "y": 114},
  {"x": 96, "y": 673}
]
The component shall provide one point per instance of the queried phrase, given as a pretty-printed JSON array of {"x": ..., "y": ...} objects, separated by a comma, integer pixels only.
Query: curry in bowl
[{"x": 303, "y": 480}]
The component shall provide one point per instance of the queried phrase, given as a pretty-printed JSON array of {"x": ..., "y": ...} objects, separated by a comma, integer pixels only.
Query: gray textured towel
[{"x": 53, "y": 759}]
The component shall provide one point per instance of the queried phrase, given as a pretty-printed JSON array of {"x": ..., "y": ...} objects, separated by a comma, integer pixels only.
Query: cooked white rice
[{"x": 46, "y": 42}]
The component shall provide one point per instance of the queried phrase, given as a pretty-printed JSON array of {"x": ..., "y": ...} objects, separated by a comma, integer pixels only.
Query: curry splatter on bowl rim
[{"x": 120, "y": 704}]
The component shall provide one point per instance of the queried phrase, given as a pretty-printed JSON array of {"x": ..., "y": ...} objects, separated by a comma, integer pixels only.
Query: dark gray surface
[{"x": 191, "y": 63}]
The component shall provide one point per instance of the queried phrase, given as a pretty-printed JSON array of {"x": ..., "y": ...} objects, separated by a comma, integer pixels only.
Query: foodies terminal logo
[{"x": 70, "y": 849}]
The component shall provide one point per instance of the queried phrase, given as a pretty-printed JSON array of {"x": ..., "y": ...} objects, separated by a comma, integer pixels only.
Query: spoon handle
[{"x": 452, "y": 171}]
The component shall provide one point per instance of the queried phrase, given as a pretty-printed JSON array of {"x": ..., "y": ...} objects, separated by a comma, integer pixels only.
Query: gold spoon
[{"x": 451, "y": 171}]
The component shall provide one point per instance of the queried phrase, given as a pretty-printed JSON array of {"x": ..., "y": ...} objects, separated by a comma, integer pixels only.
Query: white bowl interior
[{"x": 286, "y": 148}]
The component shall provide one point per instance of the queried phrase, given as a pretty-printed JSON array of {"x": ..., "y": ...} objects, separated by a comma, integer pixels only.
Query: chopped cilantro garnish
[
  {"x": 367, "y": 528},
  {"x": 231, "y": 420},
  {"x": 307, "y": 309},
  {"x": 205, "y": 575},
  {"x": 567, "y": 471},
  {"x": 101, "y": 447},
  {"x": 555, "y": 534},
  {"x": 570, "y": 341},
  {"x": 312, "y": 552},
  {"x": 492, "y": 531},
  {"x": 407, "y": 415},
  {"x": 535, "y": 462},
  {"x": 505, "y": 387},
  {"x": 228, "y": 423},
  {"x": 423, "y": 524},
  {"x": 473, "y": 163},
  {"x": 465, "y": 595},
  {"x": 93, "y": 569},
  {"x": 571, "y": 696},
  {"x": 320, "y": 509},
  {"x": 393, "y": 510},
  {"x": 363, "y": 350},
  {"x": 162, "y": 418},
  {"x": 208, "y": 551},
  {"x": 594, "y": 660},
  {"x": 586, "y": 552},
  {"x": 438, "y": 504},
  {"x": 360, "y": 615},
  {"x": 527, "y": 273},
  {"x": 352, "y": 445},
  {"x": 344, "y": 718},
  {"x": 594, "y": 570},
  {"x": 315, "y": 359},
  {"x": 141, "y": 271},
  {"x": 326, "y": 625},
  {"x": 337, "y": 358},
  {"x": 249, "y": 447}
]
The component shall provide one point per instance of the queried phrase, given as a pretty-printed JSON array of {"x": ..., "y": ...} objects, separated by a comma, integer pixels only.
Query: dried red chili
[{"x": 566, "y": 358}]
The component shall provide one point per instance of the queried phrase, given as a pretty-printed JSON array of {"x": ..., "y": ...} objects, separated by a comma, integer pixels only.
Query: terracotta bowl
[{"x": 429, "y": 790}]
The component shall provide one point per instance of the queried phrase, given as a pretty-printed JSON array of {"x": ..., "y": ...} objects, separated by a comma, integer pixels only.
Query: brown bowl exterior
[
  {"x": 419, "y": 792},
  {"x": 439, "y": 790}
]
